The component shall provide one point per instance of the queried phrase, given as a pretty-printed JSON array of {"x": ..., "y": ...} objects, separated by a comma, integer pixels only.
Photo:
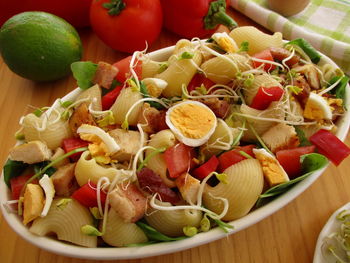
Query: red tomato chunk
[
  {"x": 330, "y": 146},
  {"x": 290, "y": 159},
  {"x": 232, "y": 157},
  {"x": 264, "y": 55},
  {"x": 87, "y": 195},
  {"x": 17, "y": 184},
  {"x": 205, "y": 169},
  {"x": 71, "y": 144},
  {"x": 178, "y": 159},
  {"x": 265, "y": 96}
]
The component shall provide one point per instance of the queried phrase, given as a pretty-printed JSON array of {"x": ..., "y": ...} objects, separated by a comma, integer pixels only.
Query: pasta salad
[{"x": 154, "y": 151}]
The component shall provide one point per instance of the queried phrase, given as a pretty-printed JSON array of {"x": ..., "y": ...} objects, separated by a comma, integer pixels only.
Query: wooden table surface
[{"x": 287, "y": 236}]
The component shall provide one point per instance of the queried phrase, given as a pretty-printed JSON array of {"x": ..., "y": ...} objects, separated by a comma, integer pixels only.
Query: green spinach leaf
[
  {"x": 13, "y": 169},
  {"x": 307, "y": 48},
  {"x": 339, "y": 90},
  {"x": 84, "y": 72}
]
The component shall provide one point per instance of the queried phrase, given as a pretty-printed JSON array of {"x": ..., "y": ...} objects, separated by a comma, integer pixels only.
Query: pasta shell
[{"x": 245, "y": 184}]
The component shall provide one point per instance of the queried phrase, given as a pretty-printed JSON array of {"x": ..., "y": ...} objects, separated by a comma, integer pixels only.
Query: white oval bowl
[{"x": 111, "y": 253}]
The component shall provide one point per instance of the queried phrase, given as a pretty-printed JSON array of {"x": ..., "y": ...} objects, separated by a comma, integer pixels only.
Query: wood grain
[{"x": 287, "y": 236}]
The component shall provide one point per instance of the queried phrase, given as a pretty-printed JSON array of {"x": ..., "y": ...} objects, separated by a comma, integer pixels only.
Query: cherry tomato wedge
[
  {"x": 109, "y": 99},
  {"x": 264, "y": 55},
  {"x": 265, "y": 96},
  {"x": 17, "y": 184},
  {"x": 197, "y": 80},
  {"x": 232, "y": 157},
  {"x": 290, "y": 159},
  {"x": 178, "y": 159},
  {"x": 330, "y": 146},
  {"x": 123, "y": 66},
  {"x": 87, "y": 195},
  {"x": 205, "y": 169},
  {"x": 70, "y": 144}
]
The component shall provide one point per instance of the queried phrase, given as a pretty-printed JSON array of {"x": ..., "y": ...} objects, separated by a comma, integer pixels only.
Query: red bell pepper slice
[
  {"x": 123, "y": 66},
  {"x": 330, "y": 146},
  {"x": 199, "y": 79},
  {"x": 17, "y": 184},
  {"x": 290, "y": 159},
  {"x": 87, "y": 195},
  {"x": 70, "y": 144},
  {"x": 109, "y": 98},
  {"x": 178, "y": 159},
  {"x": 265, "y": 96},
  {"x": 205, "y": 169},
  {"x": 265, "y": 55},
  {"x": 232, "y": 157}
]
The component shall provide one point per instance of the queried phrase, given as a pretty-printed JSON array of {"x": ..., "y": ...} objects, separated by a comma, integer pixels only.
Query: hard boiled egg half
[
  {"x": 192, "y": 122},
  {"x": 317, "y": 108}
]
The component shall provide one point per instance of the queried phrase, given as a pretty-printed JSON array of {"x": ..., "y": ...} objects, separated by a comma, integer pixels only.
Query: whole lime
[{"x": 39, "y": 46}]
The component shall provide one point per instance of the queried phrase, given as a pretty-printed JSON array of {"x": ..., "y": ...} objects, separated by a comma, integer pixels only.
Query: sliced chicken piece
[
  {"x": 64, "y": 181},
  {"x": 311, "y": 74},
  {"x": 129, "y": 142},
  {"x": 129, "y": 202},
  {"x": 80, "y": 116},
  {"x": 105, "y": 74},
  {"x": 188, "y": 186},
  {"x": 280, "y": 137},
  {"x": 31, "y": 152}
]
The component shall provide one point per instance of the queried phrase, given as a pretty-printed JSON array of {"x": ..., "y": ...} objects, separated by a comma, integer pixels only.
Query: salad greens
[
  {"x": 307, "y": 48},
  {"x": 84, "y": 72},
  {"x": 13, "y": 169}
]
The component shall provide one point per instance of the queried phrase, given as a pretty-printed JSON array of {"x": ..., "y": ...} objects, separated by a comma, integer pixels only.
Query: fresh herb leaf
[
  {"x": 339, "y": 90},
  {"x": 309, "y": 162},
  {"x": 13, "y": 169},
  {"x": 302, "y": 138},
  {"x": 244, "y": 46},
  {"x": 186, "y": 55},
  {"x": 38, "y": 112},
  {"x": 66, "y": 104},
  {"x": 153, "y": 234},
  {"x": 224, "y": 226},
  {"x": 307, "y": 48},
  {"x": 84, "y": 72},
  {"x": 90, "y": 231},
  {"x": 39, "y": 166}
]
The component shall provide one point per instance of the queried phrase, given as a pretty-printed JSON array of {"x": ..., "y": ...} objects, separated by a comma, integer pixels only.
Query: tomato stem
[
  {"x": 114, "y": 7},
  {"x": 217, "y": 16}
]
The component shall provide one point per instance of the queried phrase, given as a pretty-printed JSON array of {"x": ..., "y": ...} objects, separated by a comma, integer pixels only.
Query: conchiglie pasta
[
  {"x": 258, "y": 41},
  {"x": 93, "y": 95},
  {"x": 119, "y": 234},
  {"x": 329, "y": 71},
  {"x": 65, "y": 218},
  {"x": 245, "y": 184},
  {"x": 87, "y": 170},
  {"x": 51, "y": 130},
  {"x": 172, "y": 222},
  {"x": 126, "y": 99},
  {"x": 221, "y": 139},
  {"x": 180, "y": 71},
  {"x": 264, "y": 80},
  {"x": 223, "y": 69},
  {"x": 157, "y": 163},
  {"x": 274, "y": 111}
]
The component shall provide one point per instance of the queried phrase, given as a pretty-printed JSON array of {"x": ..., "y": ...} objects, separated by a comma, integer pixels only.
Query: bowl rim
[{"x": 113, "y": 253}]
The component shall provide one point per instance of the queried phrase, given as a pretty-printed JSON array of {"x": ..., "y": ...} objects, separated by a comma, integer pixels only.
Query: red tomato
[
  {"x": 123, "y": 66},
  {"x": 70, "y": 144},
  {"x": 330, "y": 146},
  {"x": 76, "y": 12},
  {"x": 178, "y": 159},
  {"x": 205, "y": 169},
  {"x": 198, "y": 80},
  {"x": 87, "y": 195},
  {"x": 109, "y": 99},
  {"x": 265, "y": 55},
  {"x": 187, "y": 17},
  {"x": 17, "y": 184},
  {"x": 265, "y": 96},
  {"x": 232, "y": 157},
  {"x": 138, "y": 22},
  {"x": 290, "y": 159}
]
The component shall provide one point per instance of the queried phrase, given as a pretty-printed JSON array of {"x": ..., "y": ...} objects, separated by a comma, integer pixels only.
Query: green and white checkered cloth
[{"x": 323, "y": 23}]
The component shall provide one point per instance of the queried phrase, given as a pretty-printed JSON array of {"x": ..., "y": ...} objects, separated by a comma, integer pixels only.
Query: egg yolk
[{"x": 192, "y": 120}]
